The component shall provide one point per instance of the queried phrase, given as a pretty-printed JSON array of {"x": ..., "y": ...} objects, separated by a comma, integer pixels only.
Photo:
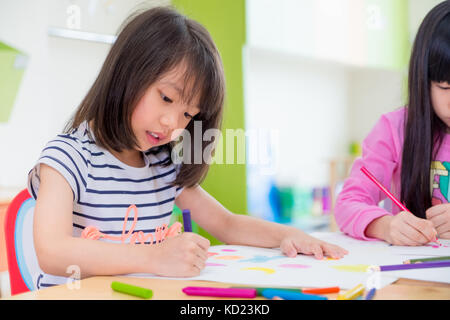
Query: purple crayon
[
  {"x": 437, "y": 264},
  {"x": 187, "y": 220}
]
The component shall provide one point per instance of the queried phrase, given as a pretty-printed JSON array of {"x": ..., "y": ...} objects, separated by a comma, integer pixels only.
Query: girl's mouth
[{"x": 155, "y": 137}]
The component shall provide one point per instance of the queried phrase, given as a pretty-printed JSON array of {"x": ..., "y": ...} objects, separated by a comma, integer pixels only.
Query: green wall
[
  {"x": 12, "y": 65},
  {"x": 225, "y": 20},
  {"x": 388, "y": 47}
]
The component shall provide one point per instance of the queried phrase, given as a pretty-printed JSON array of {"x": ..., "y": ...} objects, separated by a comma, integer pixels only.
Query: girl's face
[
  {"x": 440, "y": 98},
  {"x": 161, "y": 111}
]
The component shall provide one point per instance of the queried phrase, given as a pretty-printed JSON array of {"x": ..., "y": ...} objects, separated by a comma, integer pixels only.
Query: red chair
[{"x": 23, "y": 267}]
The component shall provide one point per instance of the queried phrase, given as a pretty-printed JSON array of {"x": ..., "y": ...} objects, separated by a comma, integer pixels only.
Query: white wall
[
  {"x": 372, "y": 92},
  {"x": 58, "y": 74},
  {"x": 306, "y": 102}
]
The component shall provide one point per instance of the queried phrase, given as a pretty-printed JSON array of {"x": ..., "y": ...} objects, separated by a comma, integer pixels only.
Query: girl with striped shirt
[{"x": 110, "y": 180}]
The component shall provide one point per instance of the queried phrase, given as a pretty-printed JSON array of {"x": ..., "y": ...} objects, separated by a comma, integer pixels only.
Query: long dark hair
[
  {"x": 150, "y": 44},
  {"x": 424, "y": 130}
]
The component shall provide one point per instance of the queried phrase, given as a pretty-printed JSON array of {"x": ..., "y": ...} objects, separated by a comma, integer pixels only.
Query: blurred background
[{"x": 306, "y": 81}]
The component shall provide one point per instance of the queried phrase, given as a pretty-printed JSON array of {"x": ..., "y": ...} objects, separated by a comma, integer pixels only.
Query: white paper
[
  {"x": 243, "y": 265},
  {"x": 397, "y": 254}
]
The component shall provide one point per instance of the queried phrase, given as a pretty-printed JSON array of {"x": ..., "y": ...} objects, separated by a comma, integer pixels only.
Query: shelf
[{"x": 81, "y": 35}]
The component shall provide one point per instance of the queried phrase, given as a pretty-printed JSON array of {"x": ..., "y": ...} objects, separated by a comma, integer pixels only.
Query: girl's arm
[
  {"x": 357, "y": 211},
  {"x": 357, "y": 204},
  {"x": 246, "y": 230},
  {"x": 57, "y": 249}
]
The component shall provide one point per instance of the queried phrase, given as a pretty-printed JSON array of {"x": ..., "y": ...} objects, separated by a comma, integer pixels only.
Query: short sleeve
[
  {"x": 158, "y": 161},
  {"x": 179, "y": 189},
  {"x": 66, "y": 155}
]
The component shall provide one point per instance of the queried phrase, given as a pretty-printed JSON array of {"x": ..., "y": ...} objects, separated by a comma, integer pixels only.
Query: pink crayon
[{"x": 220, "y": 292}]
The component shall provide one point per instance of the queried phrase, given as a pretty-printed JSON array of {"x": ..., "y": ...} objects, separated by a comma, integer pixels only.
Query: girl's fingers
[
  {"x": 334, "y": 251},
  {"x": 316, "y": 250},
  {"x": 201, "y": 253},
  {"x": 406, "y": 237},
  {"x": 445, "y": 235},
  {"x": 201, "y": 241},
  {"x": 436, "y": 210},
  {"x": 443, "y": 228},
  {"x": 289, "y": 249},
  {"x": 438, "y": 221},
  {"x": 419, "y": 230}
]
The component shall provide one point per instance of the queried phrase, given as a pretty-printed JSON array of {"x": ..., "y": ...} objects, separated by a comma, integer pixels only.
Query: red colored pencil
[{"x": 388, "y": 193}]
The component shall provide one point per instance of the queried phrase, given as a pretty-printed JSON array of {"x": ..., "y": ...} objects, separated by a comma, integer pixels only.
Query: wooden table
[{"x": 99, "y": 288}]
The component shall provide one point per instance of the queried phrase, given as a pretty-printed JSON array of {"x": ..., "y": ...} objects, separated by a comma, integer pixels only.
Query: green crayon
[
  {"x": 131, "y": 290},
  {"x": 426, "y": 260}
]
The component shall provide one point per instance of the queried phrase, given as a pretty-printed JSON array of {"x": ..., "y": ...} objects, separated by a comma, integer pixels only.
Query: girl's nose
[{"x": 169, "y": 120}]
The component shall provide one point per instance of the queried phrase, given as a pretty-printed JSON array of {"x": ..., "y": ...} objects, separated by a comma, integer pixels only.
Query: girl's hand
[
  {"x": 304, "y": 243},
  {"x": 405, "y": 229},
  {"x": 439, "y": 215},
  {"x": 182, "y": 256}
]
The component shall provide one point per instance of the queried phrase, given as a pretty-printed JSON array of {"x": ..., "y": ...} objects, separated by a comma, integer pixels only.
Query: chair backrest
[{"x": 23, "y": 266}]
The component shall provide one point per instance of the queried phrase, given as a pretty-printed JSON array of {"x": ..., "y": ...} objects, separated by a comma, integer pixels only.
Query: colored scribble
[
  {"x": 436, "y": 246},
  {"x": 330, "y": 258},
  {"x": 210, "y": 254},
  {"x": 228, "y": 257},
  {"x": 352, "y": 268},
  {"x": 262, "y": 259},
  {"x": 265, "y": 270},
  {"x": 229, "y": 250},
  {"x": 294, "y": 265},
  {"x": 212, "y": 264}
]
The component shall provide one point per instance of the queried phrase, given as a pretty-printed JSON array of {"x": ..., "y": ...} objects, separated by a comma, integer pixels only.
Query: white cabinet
[{"x": 366, "y": 33}]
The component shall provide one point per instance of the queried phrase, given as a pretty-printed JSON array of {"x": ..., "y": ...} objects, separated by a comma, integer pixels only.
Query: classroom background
[{"x": 306, "y": 81}]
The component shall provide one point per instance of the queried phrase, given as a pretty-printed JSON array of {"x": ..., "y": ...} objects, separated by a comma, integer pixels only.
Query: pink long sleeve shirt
[{"x": 357, "y": 204}]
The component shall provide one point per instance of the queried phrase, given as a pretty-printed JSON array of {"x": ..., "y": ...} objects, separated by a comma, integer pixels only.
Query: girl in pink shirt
[{"x": 408, "y": 151}]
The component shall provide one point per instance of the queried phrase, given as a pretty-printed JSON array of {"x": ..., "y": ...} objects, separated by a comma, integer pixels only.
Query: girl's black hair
[
  {"x": 424, "y": 130},
  {"x": 151, "y": 44}
]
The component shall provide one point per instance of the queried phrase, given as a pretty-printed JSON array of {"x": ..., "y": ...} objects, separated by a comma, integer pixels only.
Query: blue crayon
[
  {"x": 290, "y": 295},
  {"x": 370, "y": 294},
  {"x": 187, "y": 220}
]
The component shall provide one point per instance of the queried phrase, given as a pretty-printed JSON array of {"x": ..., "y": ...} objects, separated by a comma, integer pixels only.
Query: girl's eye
[
  {"x": 165, "y": 98},
  {"x": 187, "y": 115}
]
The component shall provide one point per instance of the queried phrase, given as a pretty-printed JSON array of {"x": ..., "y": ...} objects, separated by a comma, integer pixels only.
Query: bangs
[
  {"x": 203, "y": 74},
  {"x": 202, "y": 81},
  {"x": 439, "y": 59}
]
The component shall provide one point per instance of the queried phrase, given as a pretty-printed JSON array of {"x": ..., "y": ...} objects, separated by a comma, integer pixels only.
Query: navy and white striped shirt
[{"x": 103, "y": 187}]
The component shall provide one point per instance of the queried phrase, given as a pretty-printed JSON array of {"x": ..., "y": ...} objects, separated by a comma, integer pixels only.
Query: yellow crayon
[{"x": 352, "y": 293}]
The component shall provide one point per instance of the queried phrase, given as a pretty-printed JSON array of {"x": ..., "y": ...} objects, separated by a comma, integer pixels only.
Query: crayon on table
[
  {"x": 370, "y": 294},
  {"x": 352, "y": 293},
  {"x": 423, "y": 265},
  {"x": 187, "y": 220},
  {"x": 220, "y": 292},
  {"x": 321, "y": 290},
  {"x": 426, "y": 259},
  {"x": 259, "y": 290},
  {"x": 290, "y": 295},
  {"x": 131, "y": 290}
]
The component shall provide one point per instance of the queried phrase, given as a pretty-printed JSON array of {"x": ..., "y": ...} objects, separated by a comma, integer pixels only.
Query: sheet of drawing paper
[
  {"x": 398, "y": 254},
  {"x": 269, "y": 267}
]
